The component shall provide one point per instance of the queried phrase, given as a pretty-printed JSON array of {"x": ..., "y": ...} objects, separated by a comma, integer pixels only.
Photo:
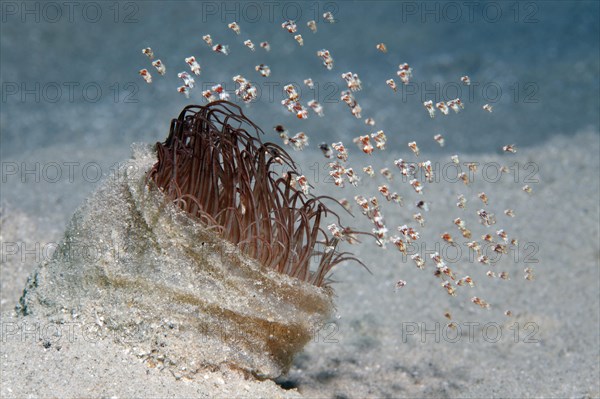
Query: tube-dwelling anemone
[
  {"x": 216, "y": 269},
  {"x": 214, "y": 166}
]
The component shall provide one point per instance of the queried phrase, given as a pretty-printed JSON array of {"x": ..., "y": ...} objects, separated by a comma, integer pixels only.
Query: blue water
[{"x": 536, "y": 62}]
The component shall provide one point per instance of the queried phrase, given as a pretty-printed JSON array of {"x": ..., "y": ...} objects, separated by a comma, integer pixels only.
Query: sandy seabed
[{"x": 383, "y": 342}]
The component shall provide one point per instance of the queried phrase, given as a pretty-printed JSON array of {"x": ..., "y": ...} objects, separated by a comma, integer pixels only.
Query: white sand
[{"x": 366, "y": 352}]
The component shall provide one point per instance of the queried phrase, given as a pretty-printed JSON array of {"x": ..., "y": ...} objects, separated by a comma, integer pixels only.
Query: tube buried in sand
[{"x": 183, "y": 285}]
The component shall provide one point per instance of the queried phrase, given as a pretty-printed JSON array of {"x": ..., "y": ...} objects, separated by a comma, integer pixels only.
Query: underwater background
[
  {"x": 535, "y": 62},
  {"x": 72, "y": 103}
]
